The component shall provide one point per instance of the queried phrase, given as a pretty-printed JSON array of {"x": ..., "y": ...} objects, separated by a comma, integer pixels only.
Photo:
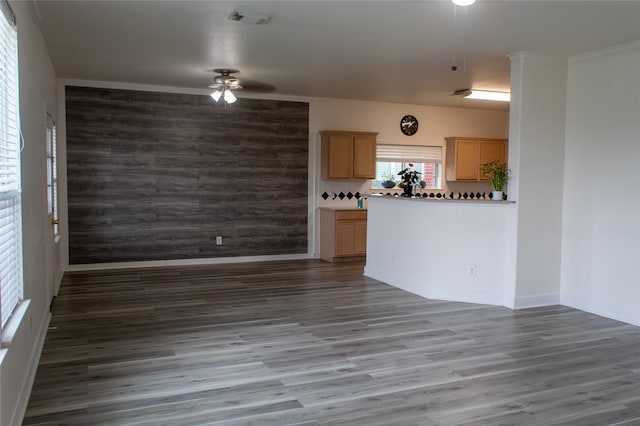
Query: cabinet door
[
  {"x": 364, "y": 157},
  {"x": 466, "y": 162},
  {"x": 345, "y": 231},
  {"x": 490, "y": 151},
  {"x": 340, "y": 157},
  {"x": 360, "y": 238}
]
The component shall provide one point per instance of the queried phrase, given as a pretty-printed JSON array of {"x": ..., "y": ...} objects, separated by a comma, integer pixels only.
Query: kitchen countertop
[
  {"x": 441, "y": 200},
  {"x": 341, "y": 208}
]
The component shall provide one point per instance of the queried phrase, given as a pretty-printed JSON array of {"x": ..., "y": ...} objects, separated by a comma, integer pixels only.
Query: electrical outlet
[
  {"x": 219, "y": 240},
  {"x": 472, "y": 270}
]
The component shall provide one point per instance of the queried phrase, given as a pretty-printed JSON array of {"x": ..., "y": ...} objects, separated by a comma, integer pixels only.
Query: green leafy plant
[
  {"x": 408, "y": 176},
  {"x": 388, "y": 177},
  {"x": 497, "y": 173}
]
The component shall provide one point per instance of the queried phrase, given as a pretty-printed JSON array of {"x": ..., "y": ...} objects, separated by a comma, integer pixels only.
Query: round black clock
[{"x": 409, "y": 125}]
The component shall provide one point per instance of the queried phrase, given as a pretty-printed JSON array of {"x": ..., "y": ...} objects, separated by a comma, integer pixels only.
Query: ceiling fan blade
[
  {"x": 226, "y": 79},
  {"x": 256, "y": 86}
]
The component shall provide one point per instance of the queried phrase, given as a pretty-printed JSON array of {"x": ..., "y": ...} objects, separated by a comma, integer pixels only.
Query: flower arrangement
[
  {"x": 408, "y": 176},
  {"x": 497, "y": 173}
]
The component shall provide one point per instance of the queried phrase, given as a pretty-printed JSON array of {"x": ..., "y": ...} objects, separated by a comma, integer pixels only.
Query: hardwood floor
[{"x": 313, "y": 343}]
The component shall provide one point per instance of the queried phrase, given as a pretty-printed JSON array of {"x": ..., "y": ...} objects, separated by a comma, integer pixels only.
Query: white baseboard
[
  {"x": 58, "y": 281},
  {"x": 29, "y": 377},
  {"x": 537, "y": 300},
  {"x": 485, "y": 298},
  {"x": 617, "y": 316},
  {"x": 184, "y": 262}
]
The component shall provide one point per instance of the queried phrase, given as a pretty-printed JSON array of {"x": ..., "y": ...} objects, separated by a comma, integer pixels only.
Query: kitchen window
[{"x": 427, "y": 160}]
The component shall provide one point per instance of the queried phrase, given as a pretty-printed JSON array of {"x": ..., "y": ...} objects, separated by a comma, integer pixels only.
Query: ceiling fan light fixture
[
  {"x": 223, "y": 84},
  {"x": 463, "y": 2},
  {"x": 229, "y": 97},
  {"x": 216, "y": 95}
]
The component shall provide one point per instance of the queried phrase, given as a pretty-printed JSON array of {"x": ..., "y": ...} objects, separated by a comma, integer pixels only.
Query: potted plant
[
  {"x": 388, "y": 180},
  {"x": 408, "y": 179},
  {"x": 498, "y": 174}
]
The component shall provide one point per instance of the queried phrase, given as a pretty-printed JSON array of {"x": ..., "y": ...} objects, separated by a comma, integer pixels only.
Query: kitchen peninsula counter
[
  {"x": 460, "y": 250},
  {"x": 443, "y": 200}
]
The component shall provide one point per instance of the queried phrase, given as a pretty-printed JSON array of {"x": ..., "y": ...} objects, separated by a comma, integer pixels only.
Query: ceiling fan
[{"x": 224, "y": 84}]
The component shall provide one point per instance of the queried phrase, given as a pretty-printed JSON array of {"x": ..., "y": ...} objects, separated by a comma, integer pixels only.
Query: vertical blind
[{"x": 10, "y": 202}]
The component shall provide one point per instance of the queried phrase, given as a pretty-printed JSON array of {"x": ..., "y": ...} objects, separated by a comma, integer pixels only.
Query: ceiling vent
[{"x": 248, "y": 18}]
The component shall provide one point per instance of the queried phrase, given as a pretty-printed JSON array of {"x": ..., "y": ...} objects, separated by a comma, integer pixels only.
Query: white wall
[
  {"x": 436, "y": 123},
  {"x": 427, "y": 247},
  {"x": 536, "y": 157},
  {"x": 37, "y": 95},
  {"x": 601, "y": 219}
]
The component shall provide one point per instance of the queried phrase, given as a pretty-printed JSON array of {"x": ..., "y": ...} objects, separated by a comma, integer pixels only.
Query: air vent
[{"x": 248, "y": 18}]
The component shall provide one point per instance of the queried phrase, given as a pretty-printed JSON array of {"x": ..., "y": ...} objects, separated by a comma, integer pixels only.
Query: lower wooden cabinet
[{"x": 343, "y": 233}]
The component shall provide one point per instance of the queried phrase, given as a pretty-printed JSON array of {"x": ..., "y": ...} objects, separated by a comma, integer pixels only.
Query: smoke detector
[{"x": 248, "y": 18}]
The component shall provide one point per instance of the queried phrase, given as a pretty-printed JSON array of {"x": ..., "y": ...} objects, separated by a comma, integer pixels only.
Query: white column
[{"x": 536, "y": 159}]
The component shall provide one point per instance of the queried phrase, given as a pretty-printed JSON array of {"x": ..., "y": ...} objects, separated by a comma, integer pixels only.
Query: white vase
[{"x": 497, "y": 196}]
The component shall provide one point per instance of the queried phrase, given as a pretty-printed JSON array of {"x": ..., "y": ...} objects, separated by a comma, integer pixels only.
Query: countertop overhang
[{"x": 441, "y": 200}]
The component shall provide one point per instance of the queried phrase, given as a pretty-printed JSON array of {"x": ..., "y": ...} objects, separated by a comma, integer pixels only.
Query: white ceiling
[{"x": 392, "y": 51}]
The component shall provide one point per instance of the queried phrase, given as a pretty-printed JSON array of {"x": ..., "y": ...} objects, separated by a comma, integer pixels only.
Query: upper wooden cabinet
[
  {"x": 348, "y": 155},
  {"x": 465, "y": 156}
]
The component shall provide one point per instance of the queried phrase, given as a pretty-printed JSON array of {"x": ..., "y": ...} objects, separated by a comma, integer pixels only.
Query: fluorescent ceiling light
[
  {"x": 489, "y": 96},
  {"x": 486, "y": 95},
  {"x": 463, "y": 2}
]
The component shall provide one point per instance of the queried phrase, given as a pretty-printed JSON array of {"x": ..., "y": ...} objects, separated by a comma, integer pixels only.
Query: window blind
[
  {"x": 10, "y": 201},
  {"x": 409, "y": 153}
]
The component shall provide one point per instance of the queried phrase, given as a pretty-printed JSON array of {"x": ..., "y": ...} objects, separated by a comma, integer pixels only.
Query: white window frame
[
  {"x": 11, "y": 284},
  {"x": 52, "y": 175}
]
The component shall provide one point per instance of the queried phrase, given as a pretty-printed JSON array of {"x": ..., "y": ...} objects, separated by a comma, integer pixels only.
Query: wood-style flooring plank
[{"x": 313, "y": 343}]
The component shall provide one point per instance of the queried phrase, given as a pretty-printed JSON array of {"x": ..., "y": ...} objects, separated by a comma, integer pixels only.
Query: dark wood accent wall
[{"x": 157, "y": 176}]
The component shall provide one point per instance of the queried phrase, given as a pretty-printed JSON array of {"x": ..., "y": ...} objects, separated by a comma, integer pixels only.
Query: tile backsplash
[{"x": 344, "y": 193}]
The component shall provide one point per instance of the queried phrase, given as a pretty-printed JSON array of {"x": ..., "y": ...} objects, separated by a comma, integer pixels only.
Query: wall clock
[{"x": 409, "y": 125}]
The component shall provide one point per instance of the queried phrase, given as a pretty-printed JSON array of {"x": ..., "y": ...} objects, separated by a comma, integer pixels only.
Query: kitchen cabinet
[
  {"x": 465, "y": 156},
  {"x": 343, "y": 233},
  {"x": 348, "y": 155}
]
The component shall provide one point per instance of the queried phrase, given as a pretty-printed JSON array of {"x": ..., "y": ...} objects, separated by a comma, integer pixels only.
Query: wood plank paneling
[
  {"x": 156, "y": 176},
  {"x": 311, "y": 342}
]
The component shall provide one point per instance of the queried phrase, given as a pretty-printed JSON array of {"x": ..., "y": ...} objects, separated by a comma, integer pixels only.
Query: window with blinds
[
  {"x": 10, "y": 202},
  {"x": 390, "y": 159},
  {"x": 52, "y": 174}
]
